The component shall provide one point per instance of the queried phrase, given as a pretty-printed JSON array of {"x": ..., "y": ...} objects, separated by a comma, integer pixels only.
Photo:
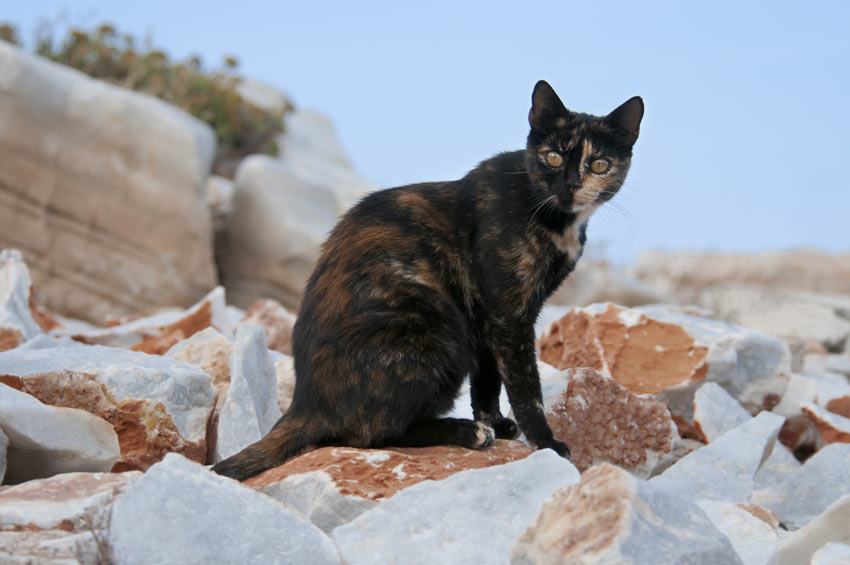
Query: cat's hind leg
[{"x": 445, "y": 431}]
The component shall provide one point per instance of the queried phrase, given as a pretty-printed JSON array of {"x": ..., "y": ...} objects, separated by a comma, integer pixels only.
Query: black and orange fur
[{"x": 419, "y": 286}]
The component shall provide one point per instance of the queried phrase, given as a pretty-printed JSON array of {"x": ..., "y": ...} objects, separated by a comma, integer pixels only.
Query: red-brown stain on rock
[
  {"x": 377, "y": 474},
  {"x": 840, "y": 406},
  {"x": 184, "y": 328},
  {"x": 10, "y": 338},
  {"x": 828, "y": 431},
  {"x": 646, "y": 356}
]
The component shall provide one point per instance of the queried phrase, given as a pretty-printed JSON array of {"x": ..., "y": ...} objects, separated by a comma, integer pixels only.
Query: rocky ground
[{"x": 705, "y": 397}]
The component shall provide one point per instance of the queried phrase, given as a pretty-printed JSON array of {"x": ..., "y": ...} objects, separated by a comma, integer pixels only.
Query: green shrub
[{"x": 209, "y": 95}]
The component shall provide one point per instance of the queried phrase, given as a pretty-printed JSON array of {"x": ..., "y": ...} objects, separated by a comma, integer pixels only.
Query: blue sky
[{"x": 745, "y": 141}]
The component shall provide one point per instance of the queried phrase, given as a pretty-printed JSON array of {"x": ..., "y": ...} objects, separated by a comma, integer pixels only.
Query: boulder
[
  {"x": 716, "y": 412},
  {"x": 471, "y": 517},
  {"x": 724, "y": 469},
  {"x": 275, "y": 320},
  {"x": 100, "y": 188},
  {"x": 196, "y": 516},
  {"x": 46, "y": 440},
  {"x": 666, "y": 351},
  {"x": 612, "y": 517},
  {"x": 811, "y": 489},
  {"x": 155, "y": 405},
  {"x": 250, "y": 408},
  {"x": 70, "y": 501},
  {"x": 17, "y": 323},
  {"x": 601, "y": 420},
  {"x": 829, "y": 527}
]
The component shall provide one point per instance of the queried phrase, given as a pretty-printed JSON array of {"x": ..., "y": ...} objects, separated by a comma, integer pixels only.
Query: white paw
[{"x": 484, "y": 435}]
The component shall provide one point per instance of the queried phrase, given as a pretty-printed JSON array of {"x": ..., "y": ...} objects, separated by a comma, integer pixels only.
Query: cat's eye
[
  {"x": 554, "y": 159},
  {"x": 600, "y": 166}
]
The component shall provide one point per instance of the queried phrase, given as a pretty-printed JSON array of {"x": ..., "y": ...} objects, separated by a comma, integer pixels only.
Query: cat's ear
[
  {"x": 626, "y": 118},
  {"x": 545, "y": 105}
]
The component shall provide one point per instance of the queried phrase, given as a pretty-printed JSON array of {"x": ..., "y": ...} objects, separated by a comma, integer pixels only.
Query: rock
[
  {"x": 612, "y": 517},
  {"x": 46, "y": 440},
  {"x": 158, "y": 333},
  {"x": 832, "y": 427},
  {"x": 752, "y": 530},
  {"x": 716, "y": 412},
  {"x": 17, "y": 323},
  {"x": 804, "y": 270},
  {"x": 830, "y": 526},
  {"x": 218, "y": 196},
  {"x": 68, "y": 501},
  {"x": 86, "y": 169},
  {"x": 725, "y": 468},
  {"x": 196, "y": 516},
  {"x": 808, "y": 492},
  {"x": 597, "y": 281},
  {"x": 263, "y": 96},
  {"x": 826, "y": 363},
  {"x": 4, "y": 444},
  {"x": 276, "y": 322},
  {"x": 52, "y": 547},
  {"x": 832, "y": 554},
  {"x": 471, "y": 517},
  {"x": 210, "y": 351},
  {"x": 156, "y": 405},
  {"x": 600, "y": 420},
  {"x": 284, "y": 368},
  {"x": 659, "y": 350},
  {"x": 250, "y": 405},
  {"x": 778, "y": 466}
]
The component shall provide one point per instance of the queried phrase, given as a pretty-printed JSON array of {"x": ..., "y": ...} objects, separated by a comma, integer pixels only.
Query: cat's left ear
[
  {"x": 545, "y": 105},
  {"x": 626, "y": 118}
]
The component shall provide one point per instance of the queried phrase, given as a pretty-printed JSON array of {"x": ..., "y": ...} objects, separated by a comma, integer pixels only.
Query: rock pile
[{"x": 678, "y": 426}]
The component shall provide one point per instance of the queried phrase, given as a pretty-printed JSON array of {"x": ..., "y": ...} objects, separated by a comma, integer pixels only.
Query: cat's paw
[
  {"x": 558, "y": 447},
  {"x": 484, "y": 435},
  {"x": 505, "y": 428}
]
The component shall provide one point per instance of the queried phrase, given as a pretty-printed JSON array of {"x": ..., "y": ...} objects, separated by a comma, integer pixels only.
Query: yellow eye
[
  {"x": 600, "y": 166},
  {"x": 554, "y": 159}
]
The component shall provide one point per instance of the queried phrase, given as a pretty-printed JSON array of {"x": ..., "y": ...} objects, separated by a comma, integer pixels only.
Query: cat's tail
[{"x": 288, "y": 438}]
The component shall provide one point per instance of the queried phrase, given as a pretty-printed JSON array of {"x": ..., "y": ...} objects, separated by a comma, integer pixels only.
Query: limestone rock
[
  {"x": 275, "y": 320},
  {"x": 101, "y": 191},
  {"x": 819, "y": 363},
  {"x": 778, "y": 466},
  {"x": 67, "y": 501},
  {"x": 155, "y": 404},
  {"x": 832, "y": 427},
  {"x": 725, "y": 468},
  {"x": 600, "y": 420},
  {"x": 812, "y": 488},
  {"x": 209, "y": 350},
  {"x": 830, "y": 526},
  {"x": 263, "y": 96},
  {"x": 52, "y": 547},
  {"x": 752, "y": 530},
  {"x": 196, "y": 516},
  {"x": 832, "y": 554},
  {"x": 250, "y": 405},
  {"x": 716, "y": 412},
  {"x": 612, "y": 517},
  {"x": 46, "y": 440},
  {"x": 218, "y": 195},
  {"x": 656, "y": 349},
  {"x": 284, "y": 368},
  {"x": 17, "y": 323},
  {"x": 471, "y": 517}
]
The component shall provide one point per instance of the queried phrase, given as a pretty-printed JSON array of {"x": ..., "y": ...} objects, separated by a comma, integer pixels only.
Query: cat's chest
[{"x": 571, "y": 240}]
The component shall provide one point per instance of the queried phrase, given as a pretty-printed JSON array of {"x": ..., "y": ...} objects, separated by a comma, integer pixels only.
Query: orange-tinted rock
[
  {"x": 276, "y": 322},
  {"x": 10, "y": 338},
  {"x": 145, "y": 430},
  {"x": 769, "y": 517},
  {"x": 840, "y": 406},
  {"x": 832, "y": 428},
  {"x": 160, "y": 344},
  {"x": 377, "y": 474},
  {"x": 600, "y": 420},
  {"x": 162, "y": 339},
  {"x": 642, "y": 354}
]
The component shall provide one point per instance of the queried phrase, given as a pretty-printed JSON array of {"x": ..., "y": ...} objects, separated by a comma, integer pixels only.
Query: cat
[{"x": 419, "y": 286}]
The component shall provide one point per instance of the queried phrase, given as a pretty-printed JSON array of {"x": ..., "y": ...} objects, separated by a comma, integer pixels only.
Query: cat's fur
[{"x": 421, "y": 285}]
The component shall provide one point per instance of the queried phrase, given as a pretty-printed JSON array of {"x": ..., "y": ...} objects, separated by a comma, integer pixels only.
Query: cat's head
[{"x": 579, "y": 158}]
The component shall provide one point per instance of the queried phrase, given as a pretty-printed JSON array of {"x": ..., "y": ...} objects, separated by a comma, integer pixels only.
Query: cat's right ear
[{"x": 545, "y": 106}]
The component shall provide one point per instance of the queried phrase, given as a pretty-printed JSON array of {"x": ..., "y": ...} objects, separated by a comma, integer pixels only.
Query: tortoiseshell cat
[{"x": 421, "y": 285}]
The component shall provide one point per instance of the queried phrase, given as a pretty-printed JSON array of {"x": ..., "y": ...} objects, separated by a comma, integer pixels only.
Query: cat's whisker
[{"x": 539, "y": 206}]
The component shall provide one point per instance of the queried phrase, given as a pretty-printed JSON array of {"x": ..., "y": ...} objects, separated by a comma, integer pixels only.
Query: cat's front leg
[
  {"x": 512, "y": 344},
  {"x": 485, "y": 386}
]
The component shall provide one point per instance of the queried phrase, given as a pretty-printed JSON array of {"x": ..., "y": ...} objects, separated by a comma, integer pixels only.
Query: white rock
[
  {"x": 49, "y": 342},
  {"x": 263, "y": 95},
  {"x": 754, "y": 539},
  {"x": 196, "y": 516},
  {"x": 4, "y": 444},
  {"x": 807, "y": 493},
  {"x": 830, "y": 386},
  {"x": 50, "y": 547},
  {"x": 724, "y": 469},
  {"x": 72, "y": 498},
  {"x": 218, "y": 193},
  {"x": 832, "y": 554},
  {"x": 46, "y": 440},
  {"x": 716, "y": 412},
  {"x": 184, "y": 390},
  {"x": 833, "y": 525},
  {"x": 250, "y": 407},
  {"x": 801, "y": 389},
  {"x": 832, "y": 427},
  {"x": 316, "y": 496},
  {"x": 818, "y": 363},
  {"x": 284, "y": 368},
  {"x": 610, "y": 516},
  {"x": 779, "y": 465},
  {"x": 15, "y": 315},
  {"x": 100, "y": 188},
  {"x": 471, "y": 517}
]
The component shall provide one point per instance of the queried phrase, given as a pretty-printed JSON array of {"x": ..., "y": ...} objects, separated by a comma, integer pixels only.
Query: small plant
[{"x": 210, "y": 95}]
